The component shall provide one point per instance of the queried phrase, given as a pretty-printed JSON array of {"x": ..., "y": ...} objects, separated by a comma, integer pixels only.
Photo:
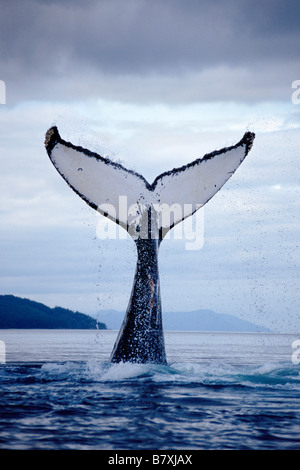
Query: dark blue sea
[{"x": 220, "y": 391}]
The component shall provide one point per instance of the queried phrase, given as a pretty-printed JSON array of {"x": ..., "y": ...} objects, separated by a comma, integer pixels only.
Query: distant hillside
[
  {"x": 199, "y": 320},
  {"x": 208, "y": 320},
  {"x": 16, "y": 312}
]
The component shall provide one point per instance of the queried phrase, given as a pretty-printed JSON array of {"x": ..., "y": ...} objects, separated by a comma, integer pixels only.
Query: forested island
[{"x": 16, "y": 312}]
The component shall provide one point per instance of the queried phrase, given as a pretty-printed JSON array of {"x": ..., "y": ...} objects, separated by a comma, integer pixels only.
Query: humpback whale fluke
[{"x": 147, "y": 211}]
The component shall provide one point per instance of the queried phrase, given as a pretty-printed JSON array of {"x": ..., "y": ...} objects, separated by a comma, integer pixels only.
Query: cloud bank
[{"x": 139, "y": 50}]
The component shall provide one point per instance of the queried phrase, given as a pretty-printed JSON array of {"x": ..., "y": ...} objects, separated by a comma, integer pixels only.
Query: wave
[
  {"x": 209, "y": 374},
  {"x": 98, "y": 405}
]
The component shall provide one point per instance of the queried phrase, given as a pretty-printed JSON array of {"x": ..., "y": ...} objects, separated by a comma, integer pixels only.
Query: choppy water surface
[{"x": 219, "y": 391}]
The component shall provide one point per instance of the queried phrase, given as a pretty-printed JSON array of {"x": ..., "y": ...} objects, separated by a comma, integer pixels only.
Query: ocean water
[{"x": 219, "y": 391}]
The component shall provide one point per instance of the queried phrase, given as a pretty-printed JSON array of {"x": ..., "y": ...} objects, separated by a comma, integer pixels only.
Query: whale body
[{"x": 147, "y": 211}]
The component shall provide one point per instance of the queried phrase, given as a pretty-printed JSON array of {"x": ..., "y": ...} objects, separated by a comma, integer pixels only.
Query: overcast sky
[{"x": 154, "y": 85}]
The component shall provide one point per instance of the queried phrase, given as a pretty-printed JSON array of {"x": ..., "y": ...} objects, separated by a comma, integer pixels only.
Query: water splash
[{"x": 269, "y": 375}]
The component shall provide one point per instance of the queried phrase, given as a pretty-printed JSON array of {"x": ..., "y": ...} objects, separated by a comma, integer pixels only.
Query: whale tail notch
[{"x": 145, "y": 210}]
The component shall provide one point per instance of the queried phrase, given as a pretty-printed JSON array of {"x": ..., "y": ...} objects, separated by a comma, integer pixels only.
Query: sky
[{"x": 153, "y": 85}]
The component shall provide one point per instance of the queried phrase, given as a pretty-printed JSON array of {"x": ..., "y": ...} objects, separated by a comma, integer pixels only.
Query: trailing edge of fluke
[{"x": 101, "y": 182}]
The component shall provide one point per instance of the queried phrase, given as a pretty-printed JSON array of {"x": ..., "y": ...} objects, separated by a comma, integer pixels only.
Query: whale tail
[{"x": 145, "y": 210}]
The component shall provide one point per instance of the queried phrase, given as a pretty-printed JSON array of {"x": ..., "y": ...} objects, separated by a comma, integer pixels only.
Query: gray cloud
[{"x": 77, "y": 45}]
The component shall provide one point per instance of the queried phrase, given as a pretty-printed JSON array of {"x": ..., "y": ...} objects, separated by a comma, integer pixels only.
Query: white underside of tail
[{"x": 126, "y": 197}]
